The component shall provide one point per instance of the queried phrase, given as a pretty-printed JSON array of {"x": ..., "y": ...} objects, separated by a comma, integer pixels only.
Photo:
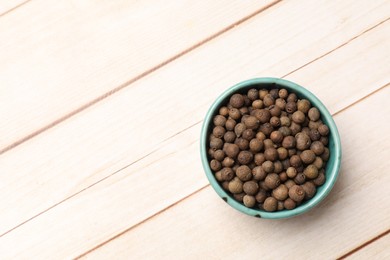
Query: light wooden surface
[{"x": 101, "y": 105}]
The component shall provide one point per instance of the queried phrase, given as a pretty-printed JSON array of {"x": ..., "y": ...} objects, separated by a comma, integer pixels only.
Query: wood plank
[
  {"x": 136, "y": 184},
  {"x": 72, "y": 52},
  {"x": 201, "y": 226},
  {"x": 378, "y": 250},
  {"x": 7, "y": 6}
]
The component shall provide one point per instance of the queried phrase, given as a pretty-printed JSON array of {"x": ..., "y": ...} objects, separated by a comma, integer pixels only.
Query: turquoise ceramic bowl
[{"x": 332, "y": 167}]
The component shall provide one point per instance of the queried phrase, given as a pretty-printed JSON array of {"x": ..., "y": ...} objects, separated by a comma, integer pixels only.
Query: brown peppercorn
[
  {"x": 262, "y": 93},
  {"x": 239, "y": 196},
  {"x": 266, "y": 128},
  {"x": 231, "y": 150},
  {"x": 234, "y": 113},
  {"x": 242, "y": 143},
  {"x": 245, "y": 157},
  {"x": 237, "y": 101},
  {"x": 271, "y": 154},
  {"x": 291, "y": 107},
  {"x": 303, "y": 141},
  {"x": 230, "y": 124},
  {"x": 272, "y": 180},
  {"x": 260, "y": 136},
  {"x": 274, "y": 93},
  {"x": 281, "y": 103},
  {"x": 276, "y": 137},
  {"x": 229, "y": 137},
  {"x": 286, "y": 131},
  {"x": 289, "y": 142},
  {"x": 255, "y": 145},
  {"x": 224, "y": 111},
  {"x": 303, "y": 105},
  {"x": 292, "y": 97},
  {"x": 283, "y": 93},
  {"x": 219, "y": 120},
  {"x": 278, "y": 167},
  {"x": 291, "y": 172},
  {"x": 282, "y": 153},
  {"x": 324, "y": 140},
  {"x": 215, "y": 165},
  {"x": 295, "y": 160},
  {"x": 253, "y": 94},
  {"x": 268, "y": 100},
  {"x": 219, "y": 155},
  {"x": 216, "y": 143},
  {"x": 298, "y": 117},
  {"x": 268, "y": 144},
  {"x": 300, "y": 178},
  {"x": 311, "y": 172},
  {"x": 259, "y": 159},
  {"x": 261, "y": 196},
  {"x": 325, "y": 155},
  {"x": 310, "y": 190},
  {"x": 235, "y": 186},
  {"x": 308, "y": 156},
  {"x": 281, "y": 192},
  {"x": 289, "y": 204},
  {"x": 263, "y": 115},
  {"x": 239, "y": 129},
  {"x": 219, "y": 131},
  {"x": 314, "y": 114},
  {"x": 283, "y": 176},
  {"x": 258, "y": 173},
  {"x": 248, "y": 134},
  {"x": 227, "y": 174},
  {"x": 323, "y": 129},
  {"x": 317, "y": 147},
  {"x": 249, "y": 201},
  {"x": 320, "y": 179},
  {"x": 250, "y": 187},
  {"x": 257, "y": 104},
  {"x": 251, "y": 122},
  {"x": 244, "y": 173},
  {"x": 227, "y": 162},
  {"x": 296, "y": 193},
  {"x": 314, "y": 134},
  {"x": 268, "y": 166},
  {"x": 289, "y": 183},
  {"x": 270, "y": 204},
  {"x": 318, "y": 162},
  {"x": 295, "y": 128}
]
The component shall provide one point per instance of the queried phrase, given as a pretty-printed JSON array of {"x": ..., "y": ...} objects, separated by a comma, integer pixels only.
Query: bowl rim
[{"x": 332, "y": 174}]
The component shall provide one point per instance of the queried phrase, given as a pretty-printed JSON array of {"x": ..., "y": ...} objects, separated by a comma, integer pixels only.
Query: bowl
[{"x": 332, "y": 166}]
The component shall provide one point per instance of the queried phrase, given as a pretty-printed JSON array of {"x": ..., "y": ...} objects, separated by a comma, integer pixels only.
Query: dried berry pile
[{"x": 269, "y": 149}]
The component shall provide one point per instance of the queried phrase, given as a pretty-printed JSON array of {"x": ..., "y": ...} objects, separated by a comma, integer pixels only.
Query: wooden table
[{"x": 101, "y": 104}]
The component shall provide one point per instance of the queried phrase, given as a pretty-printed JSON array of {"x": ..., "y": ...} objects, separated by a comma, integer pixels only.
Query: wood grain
[
  {"x": 135, "y": 185},
  {"x": 7, "y": 6},
  {"x": 72, "y": 52},
  {"x": 111, "y": 135},
  {"x": 339, "y": 224},
  {"x": 378, "y": 250}
]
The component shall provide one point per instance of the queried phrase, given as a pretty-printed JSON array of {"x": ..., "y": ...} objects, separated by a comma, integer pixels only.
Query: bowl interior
[{"x": 332, "y": 167}]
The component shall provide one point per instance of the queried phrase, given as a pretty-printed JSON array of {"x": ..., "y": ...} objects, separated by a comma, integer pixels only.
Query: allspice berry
[
  {"x": 244, "y": 173},
  {"x": 323, "y": 129},
  {"x": 234, "y": 113},
  {"x": 296, "y": 193},
  {"x": 229, "y": 137},
  {"x": 219, "y": 155},
  {"x": 271, "y": 154},
  {"x": 276, "y": 137},
  {"x": 283, "y": 93},
  {"x": 300, "y": 178},
  {"x": 260, "y": 136},
  {"x": 291, "y": 172},
  {"x": 258, "y": 173},
  {"x": 291, "y": 107},
  {"x": 252, "y": 122},
  {"x": 320, "y": 179},
  {"x": 292, "y": 97},
  {"x": 325, "y": 155},
  {"x": 318, "y": 163},
  {"x": 268, "y": 144},
  {"x": 215, "y": 165},
  {"x": 263, "y": 115},
  {"x": 285, "y": 121},
  {"x": 248, "y": 134},
  {"x": 308, "y": 156},
  {"x": 310, "y": 190},
  {"x": 314, "y": 114},
  {"x": 283, "y": 176},
  {"x": 303, "y": 105},
  {"x": 263, "y": 93},
  {"x": 281, "y": 192},
  {"x": 266, "y": 128},
  {"x": 253, "y": 94},
  {"x": 224, "y": 111},
  {"x": 216, "y": 144},
  {"x": 227, "y": 162},
  {"x": 245, "y": 157},
  {"x": 257, "y": 104},
  {"x": 255, "y": 145},
  {"x": 317, "y": 147},
  {"x": 289, "y": 183},
  {"x": 239, "y": 129},
  {"x": 235, "y": 186},
  {"x": 275, "y": 111},
  {"x": 219, "y": 131},
  {"x": 231, "y": 150},
  {"x": 268, "y": 100},
  {"x": 239, "y": 196},
  {"x": 259, "y": 159},
  {"x": 242, "y": 143},
  {"x": 227, "y": 174},
  {"x": 219, "y": 120},
  {"x": 282, "y": 153},
  {"x": 289, "y": 204},
  {"x": 289, "y": 142},
  {"x": 250, "y": 187},
  {"x": 272, "y": 180},
  {"x": 274, "y": 121},
  {"x": 314, "y": 134},
  {"x": 268, "y": 166},
  {"x": 303, "y": 141},
  {"x": 278, "y": 167},
  {"x": 270, "y": 204},
  {"x": 237, "y": 101},
  {"x": 295, "y": 160},
  {"x": 230, "y": 124},
  {"x": 249, "y": 201},
  {"x": 261, "y": 196},
  {"x": 311, "y": 172},
  {"x": 298, "y": 117}
]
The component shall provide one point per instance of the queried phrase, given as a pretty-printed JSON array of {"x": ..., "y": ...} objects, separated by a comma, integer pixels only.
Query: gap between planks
[
  {"x": 136, "y": 78},
  {"x": 14, "y": 8},
  {"x": 204, "y": 187}
]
